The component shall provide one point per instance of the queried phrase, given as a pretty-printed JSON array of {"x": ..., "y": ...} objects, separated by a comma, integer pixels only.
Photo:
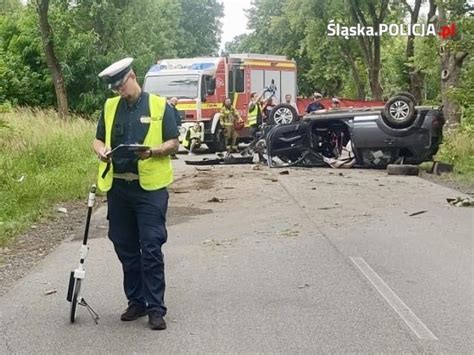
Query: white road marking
[{"x": 410, "y": 318}]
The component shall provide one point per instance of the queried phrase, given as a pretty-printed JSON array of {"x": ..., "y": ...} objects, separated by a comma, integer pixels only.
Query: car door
[
  {"x": 368, "y": 135},
  {"x": 287, "y": 141}
]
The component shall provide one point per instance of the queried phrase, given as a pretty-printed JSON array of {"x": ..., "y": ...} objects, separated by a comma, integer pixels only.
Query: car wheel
[
  {"x": 409, "y": 95},
  {"x": 404, "y": 169},
  {"x": 283, "y": 114},
  {"x": 399, "y": 112}
]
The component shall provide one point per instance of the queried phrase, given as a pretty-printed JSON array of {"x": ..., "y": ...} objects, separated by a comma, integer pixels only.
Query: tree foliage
[{"x": 89, "y": 35}]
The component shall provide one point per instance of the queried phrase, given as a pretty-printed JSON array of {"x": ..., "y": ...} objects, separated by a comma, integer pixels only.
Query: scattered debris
[
  {"x": 61, "y": 209},
  {"x": 21, "y": 178},
  {"x": 284, "y": 172},
  {"x": 417, "y": 213},
  {"x": 228, "y": 187},
  {"x": 460, "y": 202},
  {"x": 50, "y": 292},
  {"x": 181, "y": 191},
  {"x": 289, "y": 233},
  {"x": 203, "y": 169},
  {"x": 215, "y": 199},
  {"x": 271, "y": 179},
  {"x": 303, "y": 286}
]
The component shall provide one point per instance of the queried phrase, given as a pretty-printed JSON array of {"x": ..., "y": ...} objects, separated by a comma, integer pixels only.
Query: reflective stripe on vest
[{"x": 154, "y": 173}]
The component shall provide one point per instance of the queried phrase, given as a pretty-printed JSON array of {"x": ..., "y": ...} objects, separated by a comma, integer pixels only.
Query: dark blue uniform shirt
[
  {"x": 314, "y": 106},
  {"x": 128, "y": 129}
]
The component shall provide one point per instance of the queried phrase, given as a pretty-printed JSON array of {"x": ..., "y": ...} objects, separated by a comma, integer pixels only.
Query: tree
[
  {"x": 200, "y": 22},
  {"x": 415, "y": 78},
  {"x": 376, "y": 11},
  {"x": 453, "y": 52},
  {"x": 42, "y": 7}
]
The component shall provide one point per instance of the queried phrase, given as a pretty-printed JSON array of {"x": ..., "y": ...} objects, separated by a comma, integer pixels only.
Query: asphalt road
[{"x": 311, "y": 262}]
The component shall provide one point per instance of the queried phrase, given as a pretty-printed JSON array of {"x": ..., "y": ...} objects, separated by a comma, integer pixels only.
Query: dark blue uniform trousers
[{"x": 137, "y": 229}]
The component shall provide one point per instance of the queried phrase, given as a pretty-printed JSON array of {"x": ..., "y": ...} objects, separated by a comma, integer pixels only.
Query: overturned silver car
[{"x": 375, "y": 137}]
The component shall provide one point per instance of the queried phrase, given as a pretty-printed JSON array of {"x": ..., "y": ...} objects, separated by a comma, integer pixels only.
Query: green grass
[
  {"x": 458, "y": 149},
  {"x": 43, "y": 161}
]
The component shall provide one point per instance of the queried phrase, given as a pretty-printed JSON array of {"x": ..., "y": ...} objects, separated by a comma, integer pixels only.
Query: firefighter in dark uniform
[{"x": 137, "y": 197}]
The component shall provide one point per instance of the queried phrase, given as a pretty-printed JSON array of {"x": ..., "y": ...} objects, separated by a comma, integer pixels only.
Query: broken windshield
[{"x": 182, "y": 86}]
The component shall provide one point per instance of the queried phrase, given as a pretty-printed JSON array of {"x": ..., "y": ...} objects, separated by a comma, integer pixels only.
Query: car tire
[
  {"x": 409, "y": 95},
  {"x": 283, "y": 114},
  {"x": 403, "y": 169},
  {"x": 399, "y": 112}
]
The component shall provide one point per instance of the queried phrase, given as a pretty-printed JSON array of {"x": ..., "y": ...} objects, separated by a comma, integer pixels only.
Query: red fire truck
[{"x": 202, "y": 84}]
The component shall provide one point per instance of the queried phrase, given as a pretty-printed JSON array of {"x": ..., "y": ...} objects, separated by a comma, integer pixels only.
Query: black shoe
[
  {"x": 133, "y": 312},
  {"x": 156, "y": 321}
]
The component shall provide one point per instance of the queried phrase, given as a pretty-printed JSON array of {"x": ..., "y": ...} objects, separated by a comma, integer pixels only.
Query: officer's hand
[
  {"x": 102, "y": 154},
  {"x": 144, "y": 154}
]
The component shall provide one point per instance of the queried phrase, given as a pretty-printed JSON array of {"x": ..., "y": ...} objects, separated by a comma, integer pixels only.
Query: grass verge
[
  {"x": 458, "y": 149},
  {"x": 44, "y": 160}
]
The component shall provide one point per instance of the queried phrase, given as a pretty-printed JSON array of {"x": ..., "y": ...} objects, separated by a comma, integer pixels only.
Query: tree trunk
[
  {"x": 451, "y": 64},
  {"x": 51, "y": 60},
  {"x": 414, "y": 76},
  {"x": 370, "y": 46},
  {"x": 417, "y": 80},
  {"x": 349, "y": 58},
  {"x": 375, "y": 87}
]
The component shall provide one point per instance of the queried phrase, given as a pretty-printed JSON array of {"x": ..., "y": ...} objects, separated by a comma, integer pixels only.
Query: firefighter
[
  {"x": 137, "y": 198},
  {"x": 192, "y": 140},
  {"x": 229, "y": 118}
]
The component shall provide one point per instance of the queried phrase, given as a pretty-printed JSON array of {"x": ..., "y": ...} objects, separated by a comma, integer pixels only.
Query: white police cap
[{"x": 115, "y": 72}]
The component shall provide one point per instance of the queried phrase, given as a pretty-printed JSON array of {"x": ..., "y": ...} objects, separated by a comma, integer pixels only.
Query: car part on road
[
  {"x": 399, "y": 112},
  {"x": 402, "y": 169},
  {"x": 76, "y": 276},
  {"x": 227, "y": 160}
]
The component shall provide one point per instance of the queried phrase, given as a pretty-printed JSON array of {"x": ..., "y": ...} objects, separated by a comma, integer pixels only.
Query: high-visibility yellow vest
[
  {"x": 190, "y": 134},
  {"x": 154, "y": 173},
  {"x": 252, "y": 115}
]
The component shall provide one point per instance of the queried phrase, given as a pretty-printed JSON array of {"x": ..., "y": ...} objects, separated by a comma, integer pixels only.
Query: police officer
[
  {"x": 137, "y": 197},
  {"x": 316, "y": 104}
]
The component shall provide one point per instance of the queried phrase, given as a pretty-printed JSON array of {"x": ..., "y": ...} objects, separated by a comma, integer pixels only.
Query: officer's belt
[{"x": 127, "y": 176}]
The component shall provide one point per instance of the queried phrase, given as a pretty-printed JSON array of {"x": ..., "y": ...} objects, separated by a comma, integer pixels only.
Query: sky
[{"x": 234, "y": 21}]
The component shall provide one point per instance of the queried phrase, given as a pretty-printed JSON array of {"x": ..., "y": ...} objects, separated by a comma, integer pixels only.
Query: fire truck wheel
[
  {"x": 218, "y": 140},
  {"x": 283, "y": 114}
]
